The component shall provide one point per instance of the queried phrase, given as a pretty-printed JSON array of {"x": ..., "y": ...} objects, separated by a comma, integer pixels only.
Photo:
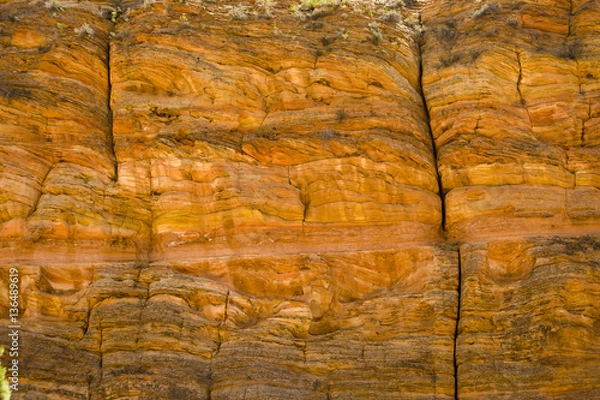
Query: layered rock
[
  {"x": 271, "y": 179},
  {"x": 310, "y": 200},
  {"x": 263, "y": 130},
  {"x": 58, "y": 193},
  {"x": 529, "y": 319},
  {"x": 512, "y": 91},
  {"x": 334, "y": 325},
  {"x": 513, "y": 95}
]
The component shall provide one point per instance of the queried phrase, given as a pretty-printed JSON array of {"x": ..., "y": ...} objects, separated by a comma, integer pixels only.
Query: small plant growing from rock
[
  {"x": 308, "y": 5},
  {"x": 376, "y": 33},
  {"x": 392, "y": 16},
  {"x": 315, "y": 9},
  {"x": 417, "y": 28},
  {"x": 239, "y": 13},
  {"x": 448, "y": 32},
  {"x": 183, "y": 19},
  {"x": 53, "y": 6},
  {"x": 512, "y": 22},
  {"x": 85, "y": 29},
  {"x": 115, "y": 14},
  {"x": 487, "y": 9},
  {"x": 342, "y": 33},
  {"x": 393, "y": 4},
  {"x": 267, "y": 7}
]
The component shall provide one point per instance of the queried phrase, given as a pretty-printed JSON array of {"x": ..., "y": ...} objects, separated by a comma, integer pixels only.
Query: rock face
[
  {"x": 513, "y": 93},
  {"x": 523, "y": 155},
  {"x": 311, "y": 200}
]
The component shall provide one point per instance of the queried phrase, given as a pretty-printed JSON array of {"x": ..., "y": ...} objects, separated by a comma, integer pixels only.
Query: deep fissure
[
  {"x": 109, "y": 110},
  {"x": 434, "y": 149},
  {"x": 442, "y": 201},
  {"x": 456, "y": 328}
]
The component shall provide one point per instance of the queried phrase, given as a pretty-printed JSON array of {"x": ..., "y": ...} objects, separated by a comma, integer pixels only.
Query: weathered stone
[
  {"x": 529, "y": 319},
  {"x": 309, "y": 200},
  {"x": 513, "y": 100},
  {"x": 224, "y": 327}
]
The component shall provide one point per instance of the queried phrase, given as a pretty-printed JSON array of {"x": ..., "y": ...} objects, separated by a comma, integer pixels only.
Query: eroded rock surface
[
  {"x": 529, "y": 318},
  {"x": 513, "y": 94},
  {"x": 303, "y": 326},
  {"x": 512, "y": 91},
  {"x": 308, "y": 200}
]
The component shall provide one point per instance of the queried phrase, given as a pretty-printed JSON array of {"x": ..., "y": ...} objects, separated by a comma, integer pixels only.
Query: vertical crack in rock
[
  {"x": 223, "y": 322},
  {"x": 589, "y": 115},
  {"x": 144, "y": 302},
  {"x": 304, "y": 352},
  {"x": 456, "y": 329},
  {"x": 100, "y": 361},
  {"x": 418, "y": 43},
  {"x": 86, "y": 323},
  {"x": 304, "y": 199},
  {"x": 209, "y": 388},
  {"x": 570, "y": 18},
  {"x": 242, "y": 152},
  {"x": 153, "y": 196},
  {"x": 218, "y": 347},
  {"x": 109, "y": 110},
  {"x": 589, "y": 104},
  {"x": 476, "y": 129},
  {"x": 39, "y": 196},
  {"x": 520, "y": 77},
  {"x": 519, "y": 89}
]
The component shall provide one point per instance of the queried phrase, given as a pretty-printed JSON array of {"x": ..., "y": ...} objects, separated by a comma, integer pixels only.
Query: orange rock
[
  {"x": 309, "y": 200},
  {"x": 510, "y": 95},
  {"x": 527, "y": 340}
]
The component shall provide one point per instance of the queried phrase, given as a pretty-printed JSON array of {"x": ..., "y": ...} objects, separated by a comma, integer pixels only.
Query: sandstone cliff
[{"x": 313, "y": 199}]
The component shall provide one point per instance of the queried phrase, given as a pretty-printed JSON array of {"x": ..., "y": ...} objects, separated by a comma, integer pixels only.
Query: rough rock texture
[
  {"x": 530, "y": 319},
  {"x": 58, "y": 171},
  {"x": 270, "y": 135},
  {"x": 513, "y": 94},
  {"x": 307, "y": 200},
  {"x": 334, "y": 325}
]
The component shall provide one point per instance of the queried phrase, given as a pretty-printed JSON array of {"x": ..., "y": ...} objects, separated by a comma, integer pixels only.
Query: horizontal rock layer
[
  {"x": 513, "y": 94},
  {"x": 304, "y": 326},
  {"x": 529, "y": 319},
  {"x": 312, "y": 200}
]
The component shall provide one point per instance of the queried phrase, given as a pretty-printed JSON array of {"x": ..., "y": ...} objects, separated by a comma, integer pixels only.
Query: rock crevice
[{"x": 458, "y": 321}]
